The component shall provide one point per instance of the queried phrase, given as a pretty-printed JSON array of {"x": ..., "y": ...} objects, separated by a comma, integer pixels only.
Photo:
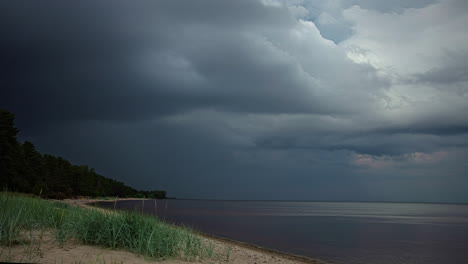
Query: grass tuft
[{"x": 22, "y": 218}]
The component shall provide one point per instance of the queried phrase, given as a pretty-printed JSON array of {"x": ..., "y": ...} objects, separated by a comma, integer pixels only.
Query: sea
[{"x": 334, "y": 232}]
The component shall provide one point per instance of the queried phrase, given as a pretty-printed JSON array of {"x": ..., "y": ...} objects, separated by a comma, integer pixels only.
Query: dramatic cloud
[{"x": 293, "y": 99}]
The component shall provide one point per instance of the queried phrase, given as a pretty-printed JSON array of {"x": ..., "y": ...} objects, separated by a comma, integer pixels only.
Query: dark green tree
[
  {"x": 9, "y": 149},
  {"x": 24, "y": 169}
]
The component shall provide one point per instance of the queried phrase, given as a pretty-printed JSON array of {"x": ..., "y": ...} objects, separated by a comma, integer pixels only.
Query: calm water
[{"x": 336, "y": 232}]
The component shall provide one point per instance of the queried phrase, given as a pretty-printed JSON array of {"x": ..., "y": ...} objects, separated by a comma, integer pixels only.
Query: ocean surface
[{"x": 335, "y": 232}]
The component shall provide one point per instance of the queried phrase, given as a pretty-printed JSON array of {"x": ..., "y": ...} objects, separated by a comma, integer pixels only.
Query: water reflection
[{"x": 337, "y": 232}]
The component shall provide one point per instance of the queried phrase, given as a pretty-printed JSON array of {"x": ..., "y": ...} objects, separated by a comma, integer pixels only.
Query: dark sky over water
[{"x": 294, "y": 99}]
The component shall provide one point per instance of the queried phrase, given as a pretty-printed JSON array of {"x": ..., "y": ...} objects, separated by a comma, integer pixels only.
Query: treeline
[{"x": 24, "y": 169}]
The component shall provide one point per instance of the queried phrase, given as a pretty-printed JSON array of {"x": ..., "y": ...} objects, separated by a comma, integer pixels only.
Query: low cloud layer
[{"x": 343, "y": 100}]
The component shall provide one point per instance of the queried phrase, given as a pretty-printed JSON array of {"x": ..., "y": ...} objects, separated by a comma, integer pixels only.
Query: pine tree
[{"x": 9, "y": 150}]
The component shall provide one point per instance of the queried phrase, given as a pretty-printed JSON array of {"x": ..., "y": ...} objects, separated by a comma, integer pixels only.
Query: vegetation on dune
[
  {"x": 23, "y": 220},
  {"x": 23, "y": 169}
]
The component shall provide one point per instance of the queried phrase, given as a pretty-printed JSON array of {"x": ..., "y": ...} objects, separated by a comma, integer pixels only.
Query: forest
[{"x": 24, "y": 169}]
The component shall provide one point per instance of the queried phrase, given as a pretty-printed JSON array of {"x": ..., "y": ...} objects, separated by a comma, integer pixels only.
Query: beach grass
[{"x": 24, "y": 220}]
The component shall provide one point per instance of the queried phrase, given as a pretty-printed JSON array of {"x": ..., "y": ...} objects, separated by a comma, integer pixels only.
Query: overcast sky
[{"x": 245, "y": 99}]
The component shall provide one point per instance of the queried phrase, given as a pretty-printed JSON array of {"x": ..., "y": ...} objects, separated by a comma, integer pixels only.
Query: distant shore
[
  {"x": 87, "y": 203},
  {"x": 239, "y": 252}
]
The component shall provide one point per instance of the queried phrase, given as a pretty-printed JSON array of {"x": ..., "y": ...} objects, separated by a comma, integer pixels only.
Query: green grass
[{"x": 23, "y": 218}]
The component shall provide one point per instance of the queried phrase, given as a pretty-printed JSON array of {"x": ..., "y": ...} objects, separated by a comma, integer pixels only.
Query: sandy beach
[
  {"x": 225, "y": 251},
  {"x": 77, "y": 253}
]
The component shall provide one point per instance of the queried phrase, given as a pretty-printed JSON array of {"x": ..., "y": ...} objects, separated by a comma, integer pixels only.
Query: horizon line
[{"x": 325, "y": 201}]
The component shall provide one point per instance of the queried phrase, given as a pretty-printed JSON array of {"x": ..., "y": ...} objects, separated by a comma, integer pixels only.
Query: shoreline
[
  {"x": 264, "y": 250},
  {"x": 245, "y": 251}
]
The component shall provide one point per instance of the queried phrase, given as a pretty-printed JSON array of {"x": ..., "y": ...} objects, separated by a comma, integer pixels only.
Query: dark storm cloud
[
  {"x": 80, "y": 60},
  {"x": 367, "y": 143},
  {"x": 68, "y": 61},
  {"x": 230, "y": 97},
  {"x": 361, "y": 137},
  {"x": 90, "y": 61},
  {"x": 445, "y": 75},
  {"x": 389, "y": 7}
]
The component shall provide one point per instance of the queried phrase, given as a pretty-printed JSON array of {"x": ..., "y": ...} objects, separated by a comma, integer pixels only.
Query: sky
[{"x": 340, "y": 100}]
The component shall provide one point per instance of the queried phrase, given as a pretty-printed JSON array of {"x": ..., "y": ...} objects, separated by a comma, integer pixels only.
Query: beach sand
[{"x": 73, "y": 252}]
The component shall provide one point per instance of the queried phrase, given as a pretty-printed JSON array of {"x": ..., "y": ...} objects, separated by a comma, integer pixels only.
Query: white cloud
[
  {"x": 422, "y": 51},
  {"x": 414, "y": 41}
]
